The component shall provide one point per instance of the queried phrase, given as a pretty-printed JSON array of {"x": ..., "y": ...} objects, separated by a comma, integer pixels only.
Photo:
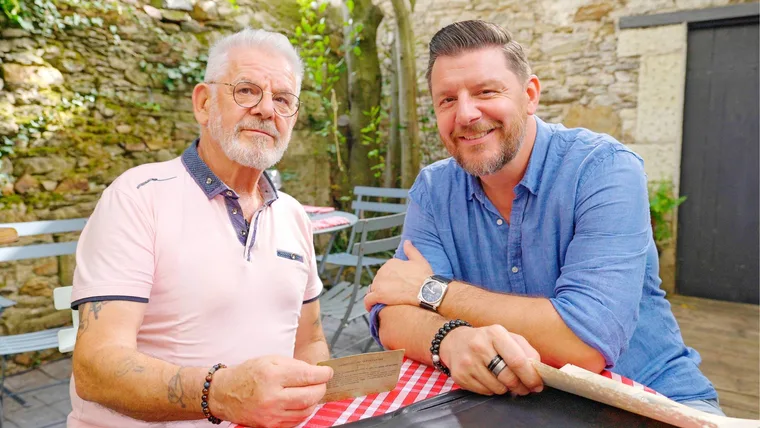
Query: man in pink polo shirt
[{"x": 198, "y": 261}]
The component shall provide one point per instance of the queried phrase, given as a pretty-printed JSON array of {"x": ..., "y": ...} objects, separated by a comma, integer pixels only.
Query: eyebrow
[
  {"x": 277, "y": 89},
  {"x": 485, "y": 83}
]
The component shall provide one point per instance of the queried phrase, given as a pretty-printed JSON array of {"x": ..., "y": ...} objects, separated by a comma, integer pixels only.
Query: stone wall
[
  {"x": 572, "y": 46},
  {"x": 80, "y": 106}
]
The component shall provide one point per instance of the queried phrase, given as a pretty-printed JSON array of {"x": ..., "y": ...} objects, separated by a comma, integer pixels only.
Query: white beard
[{"x": 257, "y": 156}]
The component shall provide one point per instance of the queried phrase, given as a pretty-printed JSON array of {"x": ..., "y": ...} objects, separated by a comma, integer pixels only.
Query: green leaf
[
  {"x": 357, "y": 51},
  {"x": 350, "y": 6}
]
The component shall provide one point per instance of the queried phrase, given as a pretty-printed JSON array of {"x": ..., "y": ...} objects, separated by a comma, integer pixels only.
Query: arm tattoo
[
  {"x": 129, "y": 365},
  {"x": 85, "y": 310},
  {"x": 176, "y": 394},
  {"x": 317, "y": 323}
]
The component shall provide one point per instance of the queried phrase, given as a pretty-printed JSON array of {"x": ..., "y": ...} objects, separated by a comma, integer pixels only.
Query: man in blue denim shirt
[{"x": 544, "y": 231}]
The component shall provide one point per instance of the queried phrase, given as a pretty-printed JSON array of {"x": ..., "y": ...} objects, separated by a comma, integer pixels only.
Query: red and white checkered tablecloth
[{"x": 416, "y": 382}]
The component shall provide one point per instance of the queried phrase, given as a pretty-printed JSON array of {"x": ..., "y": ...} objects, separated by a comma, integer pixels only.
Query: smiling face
[
  {"x": 481, "y": 107},
  {"x": 255, "y": 137}
]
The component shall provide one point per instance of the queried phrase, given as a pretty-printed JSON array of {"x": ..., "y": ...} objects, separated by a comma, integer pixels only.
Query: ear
[
  {"x": 533, "y": 93},
  {"x": 201, "y": 103}
]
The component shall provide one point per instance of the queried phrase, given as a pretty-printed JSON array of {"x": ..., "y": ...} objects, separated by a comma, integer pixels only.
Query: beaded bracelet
[
  {"x": 436, "y": 344},
  {"x": 204, "y": 398}
]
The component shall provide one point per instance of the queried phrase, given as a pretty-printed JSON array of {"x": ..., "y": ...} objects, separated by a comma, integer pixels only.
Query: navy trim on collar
[{"x": 211, "y": 184}]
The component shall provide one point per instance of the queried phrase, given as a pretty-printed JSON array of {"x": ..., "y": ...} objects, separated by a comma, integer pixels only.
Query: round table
[{"x": 352, "y": 219}]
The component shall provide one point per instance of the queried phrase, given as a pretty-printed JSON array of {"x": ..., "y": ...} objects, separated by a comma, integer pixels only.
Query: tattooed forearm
[
  {"x": 85, "y": 310},
  {"x": 176, "y": 394},
  {"x": 129, "y": 365}
]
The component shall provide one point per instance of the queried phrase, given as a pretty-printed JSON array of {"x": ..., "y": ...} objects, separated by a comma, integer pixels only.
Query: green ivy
[
  {"x": 662, "y": 202},
  {"x": 372, "y": 135},
  {"x": 188, "y": 73}
]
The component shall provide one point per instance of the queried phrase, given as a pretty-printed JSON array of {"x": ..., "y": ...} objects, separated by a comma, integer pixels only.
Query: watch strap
[{"x": 442, "y": 279}]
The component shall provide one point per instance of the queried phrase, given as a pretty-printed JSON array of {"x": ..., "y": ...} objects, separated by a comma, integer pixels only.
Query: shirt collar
[
  {"x": 211, "y": 185},
  {"x": 532, "y": 178}
]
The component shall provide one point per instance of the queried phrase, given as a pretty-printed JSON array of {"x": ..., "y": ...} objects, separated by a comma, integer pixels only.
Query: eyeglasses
[{"x": 248, "y": 95}]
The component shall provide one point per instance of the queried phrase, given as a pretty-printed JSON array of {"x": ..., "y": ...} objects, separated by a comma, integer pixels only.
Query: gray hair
[
  {"x": 250, "y": 38},
  {"x": 466, "y": 36}
]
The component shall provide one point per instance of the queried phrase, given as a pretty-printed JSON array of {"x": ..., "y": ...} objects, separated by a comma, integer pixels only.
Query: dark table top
[{"x": 550, "y": 408}]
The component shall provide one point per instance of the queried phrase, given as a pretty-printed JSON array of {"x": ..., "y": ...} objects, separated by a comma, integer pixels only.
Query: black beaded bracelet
[
  {"x": 436, "y": 344},
  {"x": 204, "y": 398}
]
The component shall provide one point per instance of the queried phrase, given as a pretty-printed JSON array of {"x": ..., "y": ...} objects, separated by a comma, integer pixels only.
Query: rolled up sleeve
[
  {"x": 420, "y": 228},
  {"x": 601, "y": 282}
]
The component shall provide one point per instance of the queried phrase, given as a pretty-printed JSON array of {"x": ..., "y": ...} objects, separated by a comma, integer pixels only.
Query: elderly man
[
  {"x": 196, "y": 263},
  {"x": 537, "y": 228}
]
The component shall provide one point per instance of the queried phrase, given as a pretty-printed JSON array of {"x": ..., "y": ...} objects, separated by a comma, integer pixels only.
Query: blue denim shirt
[{"x": 579, "y": 234}]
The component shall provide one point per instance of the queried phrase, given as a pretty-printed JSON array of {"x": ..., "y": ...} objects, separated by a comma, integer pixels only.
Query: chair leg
[
  {"x": 327, "y": 252},
  {"x": 5, "y": 391},
  {"x": 336, "y": 334}
]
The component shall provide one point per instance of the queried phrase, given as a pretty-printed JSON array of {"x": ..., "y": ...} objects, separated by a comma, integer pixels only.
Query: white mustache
[{"x": 267, "y": 127}]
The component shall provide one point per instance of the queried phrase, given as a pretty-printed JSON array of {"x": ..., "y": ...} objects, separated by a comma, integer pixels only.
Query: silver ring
[
  {"x": 501, "y": 365},
  {"x": 494, "y": 362}
]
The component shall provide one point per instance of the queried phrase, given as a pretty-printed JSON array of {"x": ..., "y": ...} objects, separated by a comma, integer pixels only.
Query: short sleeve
[
  {"x": 314, "y": 285},
  {"x": 115, "y": 253}
]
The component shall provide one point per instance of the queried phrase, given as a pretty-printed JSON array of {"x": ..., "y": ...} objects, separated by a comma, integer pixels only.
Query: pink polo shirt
[{"x": 172, "y": 235}]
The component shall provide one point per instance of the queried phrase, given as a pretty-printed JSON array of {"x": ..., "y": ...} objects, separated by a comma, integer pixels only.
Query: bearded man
[
  {"x": 199, "y": 263},
  {"x": 537, "y": 229}
]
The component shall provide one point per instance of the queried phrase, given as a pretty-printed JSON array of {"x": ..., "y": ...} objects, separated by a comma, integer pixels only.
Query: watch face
[{"x": 431, "y": 291}]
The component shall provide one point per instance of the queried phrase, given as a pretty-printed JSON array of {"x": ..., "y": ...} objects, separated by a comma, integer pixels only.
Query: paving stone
[
  {"x": 60, "y": 369},
  {"x": 63, "y": 406},
  {"x": 24, "y": 381},
  {"x": 36, "y": 417},
  {"x": 53, "y": 394},
  {"x": 9, "y": 424},
  {"x": 12, "y": 406}
]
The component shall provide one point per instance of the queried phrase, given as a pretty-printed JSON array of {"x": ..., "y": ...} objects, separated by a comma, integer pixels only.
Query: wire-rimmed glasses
[{"x": 248, "y": 95}]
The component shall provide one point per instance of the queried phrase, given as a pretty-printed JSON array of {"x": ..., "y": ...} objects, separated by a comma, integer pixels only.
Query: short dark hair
[{"x": 465, "y": 36}]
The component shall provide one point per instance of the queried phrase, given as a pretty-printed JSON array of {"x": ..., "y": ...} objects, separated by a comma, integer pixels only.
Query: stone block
[
  {"x": 652, "y": 40},
  {"x": 40, "y": 77},
  {"x": 186, "y": 5},
  {"x": 554, "y": 44},
  {"x": 660, "y": 98},
  {"x": 39, "y": 286},
  {"x": 598, "y": 119},
  {"x": 593, "y": 12},
  {"x": 26, "y": 184}
]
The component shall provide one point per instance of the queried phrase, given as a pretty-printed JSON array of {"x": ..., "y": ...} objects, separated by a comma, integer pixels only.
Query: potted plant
[{"x": 662, "y": 202}]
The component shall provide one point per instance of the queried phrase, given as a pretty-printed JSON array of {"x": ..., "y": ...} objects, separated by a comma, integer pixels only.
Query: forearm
[
  {"x": 311, "y": 345},
  {"x": 531, "y": 317},
  {"x": 313, "y": 352},
  {"x": 139, "y": 386},
  {"x": 410, "y": 328}
]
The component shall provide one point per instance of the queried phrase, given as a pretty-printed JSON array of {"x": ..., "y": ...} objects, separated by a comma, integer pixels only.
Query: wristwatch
[{"x": 432, "y": 292}]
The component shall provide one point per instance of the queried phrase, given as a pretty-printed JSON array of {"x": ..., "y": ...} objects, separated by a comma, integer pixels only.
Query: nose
[
  {"x": 265, "y": 107},
  {"x": 467, "y": 111}
]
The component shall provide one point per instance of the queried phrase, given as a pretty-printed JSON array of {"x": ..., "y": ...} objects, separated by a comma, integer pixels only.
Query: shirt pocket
[{"x": 296, "y": 257}]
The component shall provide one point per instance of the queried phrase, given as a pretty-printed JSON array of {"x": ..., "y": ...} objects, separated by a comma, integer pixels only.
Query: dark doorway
[{"x": 718, "y": 234}]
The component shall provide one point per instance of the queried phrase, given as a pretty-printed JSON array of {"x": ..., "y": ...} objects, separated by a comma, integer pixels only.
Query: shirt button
[
  {"x": 499, "y": 222},
  {"x": 515, "y": 269},
  {"x": 234, "y": 211},
  {"x": 229, "y": 193},
  {"x": 209, "y": 180},
  {"x": 243, "y": 232},
  {"x": 292, "y": 256}
]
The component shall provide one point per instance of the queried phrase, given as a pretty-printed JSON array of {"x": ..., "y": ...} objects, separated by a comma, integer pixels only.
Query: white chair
[{"x": 66, "y": 336}]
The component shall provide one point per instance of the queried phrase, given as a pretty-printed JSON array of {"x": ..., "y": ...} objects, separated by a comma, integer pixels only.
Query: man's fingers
[
  {"x": 370, "y": 300},
  {"x": 305, "y": 374},
  {"x": 488, "y": 380},
  {"x": 518, "y": 362},
  {"x": 412, "y": 253},
  {"x": 302, "y": 397},
  {"x": 511, "y": 381}
]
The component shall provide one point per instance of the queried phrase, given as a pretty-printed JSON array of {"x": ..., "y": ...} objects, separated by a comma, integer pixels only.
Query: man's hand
[
  {"x": 398, "y": 282},
  {"x": 467, "y": 351},
  {"x": 271, "y": 391}
]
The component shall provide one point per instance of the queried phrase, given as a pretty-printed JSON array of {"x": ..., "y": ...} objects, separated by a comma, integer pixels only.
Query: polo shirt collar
[
  {"x": 532, "y": 178},
  {"x": 211, "y": 185}
]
